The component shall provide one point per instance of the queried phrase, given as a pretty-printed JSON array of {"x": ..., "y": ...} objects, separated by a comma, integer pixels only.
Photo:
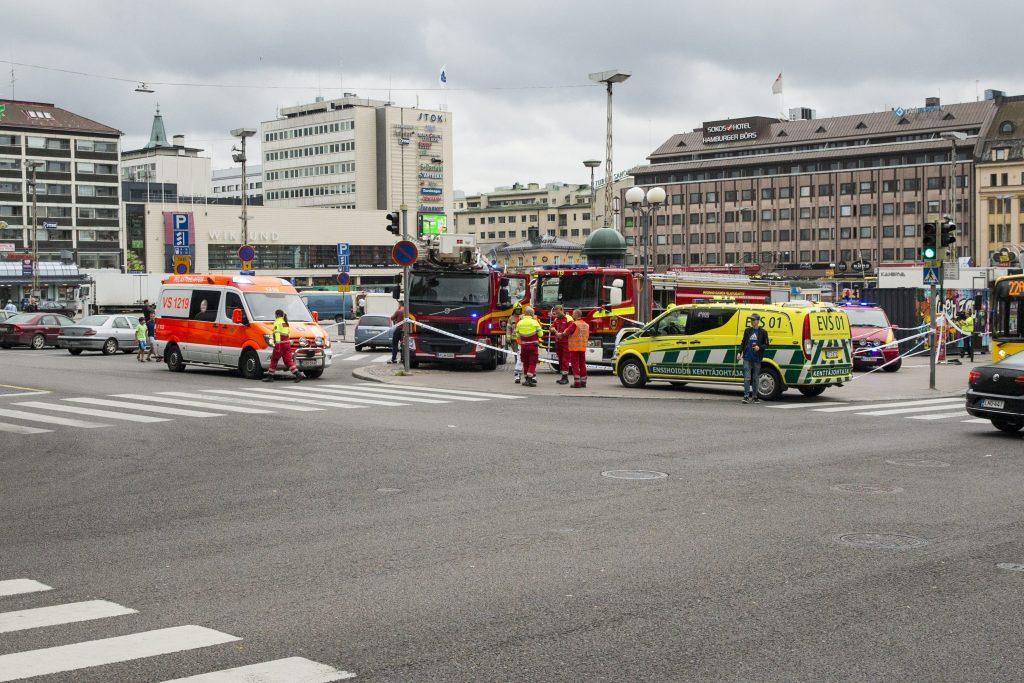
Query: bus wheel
[
  {"x": 769, "y": 385},
  {"x": 632, "y": 374},
  {"x": 813, "y": 390}
]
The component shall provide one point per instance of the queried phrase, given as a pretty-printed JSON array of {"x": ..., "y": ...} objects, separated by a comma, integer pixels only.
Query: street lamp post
[
  {"x": 953, "y": 136},
  {"x": 592, "y": 164},
  {"x": 609, "y": 78},
  {"x": 646, "y": 206},
  {"x": 239, "y": 156},
  {"x": 32, "y": 166}
]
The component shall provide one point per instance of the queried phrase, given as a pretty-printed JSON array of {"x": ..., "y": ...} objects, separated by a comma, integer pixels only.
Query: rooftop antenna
[{"x": 13, "y": 79}]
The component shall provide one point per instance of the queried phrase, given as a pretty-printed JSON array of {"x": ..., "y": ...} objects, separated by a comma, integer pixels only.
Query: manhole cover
[
  {"x": 387, "y": 490},
  {"x": 881, "y": 541},
  {"x": 869, "y": 489},
  {"x": 634, "y": 474},
  {"x": 1011, "y": 566},
  {"x": 918, "y": 463}
]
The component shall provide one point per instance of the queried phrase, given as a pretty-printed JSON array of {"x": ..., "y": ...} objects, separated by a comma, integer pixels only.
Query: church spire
[{"x": 158, "y": 136}]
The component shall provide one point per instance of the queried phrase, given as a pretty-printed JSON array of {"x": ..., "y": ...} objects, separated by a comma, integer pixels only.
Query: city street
[{"x": 472, "y": 531}]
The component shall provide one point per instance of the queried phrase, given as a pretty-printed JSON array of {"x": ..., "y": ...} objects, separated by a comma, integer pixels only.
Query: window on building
[
  {"x": 785, "y": 192},
  {"x": 910, "y": 231},
  {"x": 911, "y": 185},
  {"x": 866, "y": 209},
  {"x": 826, "y": 212},
  {"x": 806, "y": 190},
  {"x": 934, "y": 206},
  {"x": 888, "y": 231},
  {"x": 677, "y": 200},
  {"x": 1000, "y": 153},
  {"x": 866, "y": 231},
  {"x": 767, "y": 215},
  {"x": 748, "y": 235},
  {"x": 694, "y": 219},
  {"x": 730, "y": 195},
  {"x": 867, "y": 187},
  {"x": 909, "y": 207},
  {"x": 695, "y": 197},
  {"x": 847, "y": 210},
  {"x": 845, "y": 233},
  {"x": 805, "y": 212},
  {"x": 825, "y": 190},
  {"x": 747, "y": 195},
  {"x": 846, "y": 188},
  {"x": 936, "y": 183},
  {"x": 768, "y": 193},
  {"x": 677, "y": 219},
  {"x": 826, "y": 233},
  {"x": 890, "y": 186}
]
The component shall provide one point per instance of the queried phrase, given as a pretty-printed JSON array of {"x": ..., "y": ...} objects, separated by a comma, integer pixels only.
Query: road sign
[
  {"x": 247, "y": 272},
  {"x": 247, "y": 266},
  {"x": 178, "y": 251},
  {"x": 49, "y": 226},
  {"x": 246, "y": 252},
  {"x": 404, "y": 253},
  {"x": 343, "y": 253},
  {"x": 26, "y": 267},
  {"x": 181, "y": 265},
  {"x": 344, "y": 279},
  {"x": 951, "y": 269},
  {"x": 931, "y": 276},
  {"x": 344, "y": 288}
]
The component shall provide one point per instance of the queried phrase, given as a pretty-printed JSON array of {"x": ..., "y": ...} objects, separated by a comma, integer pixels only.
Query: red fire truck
[
  {"x": 609, "y": 298},
  {"x": 453, "y": 290}
]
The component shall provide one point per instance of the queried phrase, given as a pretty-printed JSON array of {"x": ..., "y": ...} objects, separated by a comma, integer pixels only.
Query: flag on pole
[
  {"x": 443, "y": 76},
  {"x": 777, "y": 85}
]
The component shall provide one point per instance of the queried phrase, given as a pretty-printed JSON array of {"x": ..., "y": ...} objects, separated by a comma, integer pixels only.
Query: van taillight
[{"x": 808, "y": 344}]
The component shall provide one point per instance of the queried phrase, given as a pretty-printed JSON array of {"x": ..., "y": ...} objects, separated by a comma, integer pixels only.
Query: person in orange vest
[
  {"x": 530, "y": 333},
  {"x": 560, "y": 326},
  {"x": 576, "y": 344}
]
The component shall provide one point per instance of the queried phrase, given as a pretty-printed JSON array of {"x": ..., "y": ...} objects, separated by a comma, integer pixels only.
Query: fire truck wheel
[
  {"x": 491, "y": 363},
  {"x": 632, "y": 374}
]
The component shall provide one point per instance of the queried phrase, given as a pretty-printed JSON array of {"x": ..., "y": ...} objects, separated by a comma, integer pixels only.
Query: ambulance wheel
[
  {"x": 769, "y": 385},
  {"x": 313, "y": 374},
  {"x": 813, "y": 390},
  {"x": 893, "y": 367},
  {"x": 632, "y": 374},
  {"x": 175, "y": 362},
  {"x": 249, "y": 365}
]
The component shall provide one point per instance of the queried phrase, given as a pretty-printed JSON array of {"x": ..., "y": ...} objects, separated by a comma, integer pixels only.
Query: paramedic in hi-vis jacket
[{"x": 530, "y": 333}]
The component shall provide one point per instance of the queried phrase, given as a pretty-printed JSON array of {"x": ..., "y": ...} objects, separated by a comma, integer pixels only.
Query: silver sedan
[{"x": 106, "y": 333}]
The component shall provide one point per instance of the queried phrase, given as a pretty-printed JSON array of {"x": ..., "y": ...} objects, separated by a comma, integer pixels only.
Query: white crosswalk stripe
[
  {"x": 49, "y": 419},
  {"x": 240, "y": 400},
  {"x": 808, "y": 405},
  {"x": 152, "y": 409},
  {"x": 21, "y": 586},
  {"x": 298, "y": 391},
  {"x": 108, "y": 414},
  {"x": 197, "y": 404},
  {"x": 60, "y": 614},
  {"x": 938, "y": 416},
  {"x": 457, "y": 392},
  {"x": 289, "y": 670},
  {"x": 21, "y": 429},
  {"x": 383, "y": 358},
  {"x": 400, "y": 392},
  {"x": 904, "y": 411},
  {"x": 882, "y": 406},
  {"x": 347, "y": 393},
  {"x": 929, "y": 409},
  {"x": 282, "y": 398}
]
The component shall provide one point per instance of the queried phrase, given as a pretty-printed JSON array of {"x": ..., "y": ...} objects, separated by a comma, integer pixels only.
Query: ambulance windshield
[{"x": 262, "y": 306}]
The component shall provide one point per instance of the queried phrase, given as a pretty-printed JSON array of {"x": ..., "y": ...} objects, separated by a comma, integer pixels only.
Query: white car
[{"x": 105, "y": 333}]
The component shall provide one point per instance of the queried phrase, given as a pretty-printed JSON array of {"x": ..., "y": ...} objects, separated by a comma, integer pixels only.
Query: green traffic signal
[{"x": 928, "y": 253}]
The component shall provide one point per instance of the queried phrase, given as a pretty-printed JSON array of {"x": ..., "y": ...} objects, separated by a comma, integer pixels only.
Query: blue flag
[{"x": 443, "y": 77}]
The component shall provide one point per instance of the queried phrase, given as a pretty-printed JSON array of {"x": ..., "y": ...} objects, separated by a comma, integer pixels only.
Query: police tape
[
  {"x": 896, "y": 342},
  {"x": 900, "y": 357}
]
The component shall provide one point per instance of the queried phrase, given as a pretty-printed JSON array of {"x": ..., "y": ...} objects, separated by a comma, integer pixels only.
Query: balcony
[
  {"x": 57, "y": 153},
  {"x": 10, "y": 197},
  {"x": 96, "y": 200},
  {"x": 96, "y": 156},
  {"x": 109, "y": 223},
  {"x": 64, "y": 177},
  {"x": 10, "y": 173},
  {"x": 51, "y": 198},
  {"x": 96, "y": 178},
  {"x": 15, "y": 151}
]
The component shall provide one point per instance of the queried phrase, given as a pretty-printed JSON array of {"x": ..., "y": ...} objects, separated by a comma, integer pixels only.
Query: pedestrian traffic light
[
  {"x": 929, "y": 242},
  {"x": 393, "y": 222},
  {"x": 948, "y": 232}
]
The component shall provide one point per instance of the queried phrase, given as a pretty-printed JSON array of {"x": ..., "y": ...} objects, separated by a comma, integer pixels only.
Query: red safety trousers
[
  {"x": 528, "y": 354},
  {"x": 283, "y": 351}
]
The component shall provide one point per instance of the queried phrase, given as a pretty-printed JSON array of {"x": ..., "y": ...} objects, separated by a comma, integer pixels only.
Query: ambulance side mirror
[{"x": 236, "y": 317}]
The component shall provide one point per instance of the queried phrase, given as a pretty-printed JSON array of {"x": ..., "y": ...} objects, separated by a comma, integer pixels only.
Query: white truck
[
  {"x": 378, "y": 304},
  {"x": 112, "y": 291}
]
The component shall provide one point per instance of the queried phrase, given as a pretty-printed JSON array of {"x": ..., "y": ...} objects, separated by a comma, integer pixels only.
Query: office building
[
  {"x": 226, "y": 183},
  {"x": 162, "y": 161},
  {"x": 506, "y": 214},
  {"x": 999, "y": 174}
]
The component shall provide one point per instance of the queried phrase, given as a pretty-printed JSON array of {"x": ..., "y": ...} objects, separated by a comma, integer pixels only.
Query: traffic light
[
  {"x": 948, "y": 231},
  {"x": 929, "y": 243},
  {"x": 393, "y": 222}
]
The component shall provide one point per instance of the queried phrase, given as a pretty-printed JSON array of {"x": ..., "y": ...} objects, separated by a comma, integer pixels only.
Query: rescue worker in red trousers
[
  {"x": 282, "y": 349},
  {"x": 530, "y": 333},
  {"x": 576, "y": 342},
  {"x": 560, "y": 324}
]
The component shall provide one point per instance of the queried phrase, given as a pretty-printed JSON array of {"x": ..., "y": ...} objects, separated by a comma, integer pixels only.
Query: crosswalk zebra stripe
[
  {"x": 278, "y": 396},
  {"x": 977, "y": 421},
  {"x": 939, "y": 416},
  {"x": 21, "y": 429},
  {"x": 904, "y": 411},
  {"x": 300, "y": 392},
  {"x": 383, "y": 358},
  {"x": 110, "y": 415},
  {"x": 454, "y": 392},
  {"x": 196, "y": 404},
  {"x": 151, "y": 409},
  {"x": 50, "y": 419},
  {"x": 288, "y": 670},
  {"x": 52, "y": 615},
  {"x": 890, "y": 404},
  {"x": 346, "y": 393},
  {"x": 20, "y": 586},
  {"x": 399, "y": 392},
  {"x": 813, "y": 404},
  {"x": 52, "y": 660},
  {"x": 268, "y": 403}
]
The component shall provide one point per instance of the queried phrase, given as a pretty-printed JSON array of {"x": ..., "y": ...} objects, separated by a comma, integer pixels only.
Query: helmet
[{"x": 517, "y": 309}]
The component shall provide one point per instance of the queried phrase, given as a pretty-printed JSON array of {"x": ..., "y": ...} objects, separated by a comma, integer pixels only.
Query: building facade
[
  {"x": 226, "y": 183},
  {"x": 537, "y": 251},
  {"x": 999, "y": 180},
  {"x": 361, "y": 154},
  {"x": 77, "y": 192},
  {"x": 506, "y": 215},
  {"x": 167, "y": 162},
  {"x": 811, "y": 196}
]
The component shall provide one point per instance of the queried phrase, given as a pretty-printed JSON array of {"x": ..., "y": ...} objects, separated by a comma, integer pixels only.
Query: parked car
[
  {"x": 872, "y": 334},
  {"x": 4, "y": 315},
  {"x": 370, "y": 332},
  {"x": 996, "y": 393},
  {"x": 106, "y": 333},
  {"x": 36, "y": 330}
]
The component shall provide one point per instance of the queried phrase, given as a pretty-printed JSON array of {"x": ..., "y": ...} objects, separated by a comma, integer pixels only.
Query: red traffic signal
[{"x": 948, "y": 233}]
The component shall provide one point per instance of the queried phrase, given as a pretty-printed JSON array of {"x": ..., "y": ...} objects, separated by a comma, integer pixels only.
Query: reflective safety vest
[
  {"x": 529, "y": 331},
  {"x": 280, "y": 330},
  {"x": 580, "y": 335},
  {"x": 968, "y": 324}
]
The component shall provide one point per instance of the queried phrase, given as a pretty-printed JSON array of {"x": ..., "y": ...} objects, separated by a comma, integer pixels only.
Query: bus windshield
[
  {"x": 262, "y": 306},
  {"x": 572, "y": 291},
  {"x": 449, "y": 288}
]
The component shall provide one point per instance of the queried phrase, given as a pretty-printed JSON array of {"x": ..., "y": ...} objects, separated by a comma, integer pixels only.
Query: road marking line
[
  {"x": 815, "y": 404},
  {"x": 60, "y": 614},
  {"x": 977, "y": 421},
  {"x": 940, "y": 416},
  {"x": 145, "y": 408},
  {"x": 901, "y": 411},
  {"x": 49, "y": 419},
  {"x": 890, "y": 405},
  {"x": 91, "y": 411},
  {"x": 394, "y": 391},
  {"x": 19, "y": 586},
  {"x": 21, "y": 429},
  {"x": 346, "y": 393},
  {"x": 274, "y": 395},
  {"x": 195, "y": 404},
  {"x": 262, "y": 404},
  {"x": 454, "y": 392},
  {"x": 383, "y": 358},
  {"x": 23, "y": 391},
  {"x": 289, "y": 670},
  {"x": 287, "y": 391},
  {"x": 52, "y": 660}
]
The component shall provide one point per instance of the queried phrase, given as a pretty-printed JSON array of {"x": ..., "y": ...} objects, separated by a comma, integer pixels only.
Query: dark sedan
[
  {"x": 36, "y": 330},
  {"x": 997, "y": 393}
]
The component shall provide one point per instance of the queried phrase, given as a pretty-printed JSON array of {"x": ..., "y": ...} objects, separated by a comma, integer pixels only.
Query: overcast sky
[{"x": 690, "y": 62}]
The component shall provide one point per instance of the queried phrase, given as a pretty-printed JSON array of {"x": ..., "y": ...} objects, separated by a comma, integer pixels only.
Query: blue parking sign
[{"x": 343, "y": 254}]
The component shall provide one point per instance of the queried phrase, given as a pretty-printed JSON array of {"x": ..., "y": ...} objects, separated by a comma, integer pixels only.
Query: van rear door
[{"x": 829, "y": 333}]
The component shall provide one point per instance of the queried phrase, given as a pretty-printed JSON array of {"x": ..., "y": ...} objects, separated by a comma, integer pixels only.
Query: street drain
[
  {"x": 634, "y": 475},
  {"x": 918, "y": 463},
  {"x": 869, "y": 489},
  {"x": 1011, "y": 566},
  {"x": 881, "y": 541},
  {"x": 387, "y": 490}
]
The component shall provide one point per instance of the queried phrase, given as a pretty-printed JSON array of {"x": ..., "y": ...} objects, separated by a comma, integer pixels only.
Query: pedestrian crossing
[
  {"x": 75, "y": 658},
  {"x": 950, "y": 408},
  {"x": 34, "y": 417},
  {"x": 362, "y": 357}
]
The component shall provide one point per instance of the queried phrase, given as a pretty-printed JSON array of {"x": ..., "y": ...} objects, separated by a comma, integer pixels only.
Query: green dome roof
[{"x": 605, "y": 242}]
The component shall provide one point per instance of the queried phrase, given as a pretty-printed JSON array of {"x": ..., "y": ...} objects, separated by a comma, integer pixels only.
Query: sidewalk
[{"x": 910, "y": 382}]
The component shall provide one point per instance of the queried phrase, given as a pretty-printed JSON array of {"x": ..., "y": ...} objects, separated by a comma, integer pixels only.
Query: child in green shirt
[{"x": 140, "y": 338}]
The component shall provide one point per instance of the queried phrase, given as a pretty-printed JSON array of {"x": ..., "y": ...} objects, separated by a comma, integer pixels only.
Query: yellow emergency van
[{"x": 809, "y": 347}]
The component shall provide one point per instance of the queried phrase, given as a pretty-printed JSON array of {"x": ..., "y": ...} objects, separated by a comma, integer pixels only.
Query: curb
[{"x": 360, "y": 373}]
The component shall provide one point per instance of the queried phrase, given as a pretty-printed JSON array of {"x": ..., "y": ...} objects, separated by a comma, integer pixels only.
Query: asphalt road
[{"x": 479, "y": 541}]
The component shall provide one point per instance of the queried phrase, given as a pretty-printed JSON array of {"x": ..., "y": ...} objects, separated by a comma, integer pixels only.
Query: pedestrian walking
[
  {"x": 755, "y": 341},
  {"x": 560, "y": 325},
  {"x": 967, "y": 325},
  {"x": 512, "y": 341},
  {"x": 151, "y": 337},
  {"x": 530, "y": 333},
  {"x": 576, "y": 343},
  {"x": 282, "y": 349},
  {"x": 140, "y": 339},
  {"x": 10, "y": 307},
  {"x": 397, "y": 318}
]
